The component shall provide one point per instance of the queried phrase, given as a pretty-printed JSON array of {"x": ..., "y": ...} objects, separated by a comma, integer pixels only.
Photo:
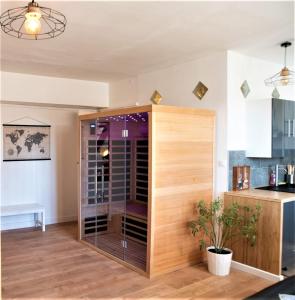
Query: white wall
[
  {"x": 123, "y": 92},
  {"x": 223, "y": 73},
  {"x": 255, "y": 71},
  {"x": 51, "y": 90},
  {"x": 176, "y": 84},
  {"x": 52, "y": 183}
]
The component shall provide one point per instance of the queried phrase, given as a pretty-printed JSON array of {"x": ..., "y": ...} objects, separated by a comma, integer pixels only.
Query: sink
[{"x": 286, "y": 188}]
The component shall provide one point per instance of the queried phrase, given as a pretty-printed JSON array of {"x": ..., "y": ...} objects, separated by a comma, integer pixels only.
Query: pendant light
[
  {"x": 285, "y": 76},
  {"x": 33, "y": 22}
]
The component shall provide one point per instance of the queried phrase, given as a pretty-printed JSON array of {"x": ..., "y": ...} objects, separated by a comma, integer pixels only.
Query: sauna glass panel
[
  {"x": 91, "y": 223},
  {"x": 135, "y": 220},
  {"x": 115, "y": 186},
  {"x": 112, "y": 194}
]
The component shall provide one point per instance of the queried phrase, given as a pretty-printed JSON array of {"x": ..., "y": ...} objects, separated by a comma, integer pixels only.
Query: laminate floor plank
[{"x": 54, "y": 265}]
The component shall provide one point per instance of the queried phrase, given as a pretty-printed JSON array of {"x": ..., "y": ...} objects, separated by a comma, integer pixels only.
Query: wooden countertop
[{"x": 264, "y": 195}]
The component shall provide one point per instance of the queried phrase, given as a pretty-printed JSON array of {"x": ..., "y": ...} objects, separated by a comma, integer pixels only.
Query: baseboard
[
  {"x": 255, "y": 271},
  {"x": 15, "y": 224},
  {"x": 61, "y": 219}
]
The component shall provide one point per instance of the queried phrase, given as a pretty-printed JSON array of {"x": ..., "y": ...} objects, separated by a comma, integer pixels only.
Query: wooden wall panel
[
  {"x": 266, "y": 254},
  {"x": 183, "y": 163}
]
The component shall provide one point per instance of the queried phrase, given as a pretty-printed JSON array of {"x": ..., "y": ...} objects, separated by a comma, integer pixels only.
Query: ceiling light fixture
[
  {"x": 285, "y": 76},
  {"x": 33, "y": 22}
]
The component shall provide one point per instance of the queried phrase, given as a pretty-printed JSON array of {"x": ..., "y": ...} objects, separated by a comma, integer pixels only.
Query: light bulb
[
  {"x": 284, "y": 81},
  {"x": 285, "y": 76},
  {"x": 32, "y": 24},
  {"x": 104, "y": 151}
]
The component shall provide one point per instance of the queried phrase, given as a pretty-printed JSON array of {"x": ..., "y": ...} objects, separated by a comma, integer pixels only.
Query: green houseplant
[{"x": 215, "y": 225}]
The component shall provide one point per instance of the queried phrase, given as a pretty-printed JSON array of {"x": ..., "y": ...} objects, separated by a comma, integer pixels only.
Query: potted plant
[{"x": 215, "y": 225}]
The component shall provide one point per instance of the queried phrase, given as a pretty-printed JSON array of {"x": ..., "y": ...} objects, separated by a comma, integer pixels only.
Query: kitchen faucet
[{"x": 279, "y": 167}]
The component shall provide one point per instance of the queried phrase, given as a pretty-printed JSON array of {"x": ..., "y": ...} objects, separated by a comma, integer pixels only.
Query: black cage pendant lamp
[
  {"x": 33, "y": 22},
  {"x": 285, "y": 76}
]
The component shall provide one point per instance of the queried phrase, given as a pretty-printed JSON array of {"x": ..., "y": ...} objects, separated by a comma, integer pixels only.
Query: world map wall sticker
[{"x": 26, "y": 142}]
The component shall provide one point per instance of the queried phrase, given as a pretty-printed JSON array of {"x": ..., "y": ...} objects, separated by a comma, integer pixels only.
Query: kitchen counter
[
  {"x": 271, "y": 253},
  {"x": 280, "y": 197}
]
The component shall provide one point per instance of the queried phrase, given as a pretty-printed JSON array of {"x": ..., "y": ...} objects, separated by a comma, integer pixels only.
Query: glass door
[
  {"x": 115, "y": 186},
  {"x": 111, "y": 184},
  {"x": 136, "y": 221},
  {"x": 92, "y": 223}
]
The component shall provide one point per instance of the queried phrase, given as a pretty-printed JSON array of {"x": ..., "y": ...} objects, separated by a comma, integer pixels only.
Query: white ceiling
[{"x": 112, "y": 40}]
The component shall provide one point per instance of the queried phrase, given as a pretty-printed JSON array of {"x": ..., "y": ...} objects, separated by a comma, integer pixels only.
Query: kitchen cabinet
[
  {"x": 289, "y": 128},
  {"x": 288, "y": 255},
  {"x": 274, "y": 248},
  {"x": 277, "y": 128},
  {"x": 270, "y": 128}
]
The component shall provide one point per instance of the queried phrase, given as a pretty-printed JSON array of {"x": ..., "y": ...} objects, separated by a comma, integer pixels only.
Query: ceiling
[{"x": 107, "y": 41}]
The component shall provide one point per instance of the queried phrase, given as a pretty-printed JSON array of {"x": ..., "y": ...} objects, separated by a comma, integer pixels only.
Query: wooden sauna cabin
[{"x": 141, "y": 171}]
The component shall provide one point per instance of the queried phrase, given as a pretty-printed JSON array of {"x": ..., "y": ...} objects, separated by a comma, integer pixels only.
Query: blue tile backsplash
[{"x": 260, "y": 167}]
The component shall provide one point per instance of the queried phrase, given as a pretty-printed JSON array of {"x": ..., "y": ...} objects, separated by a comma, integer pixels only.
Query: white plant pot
[{"x": 219, "y": 264}]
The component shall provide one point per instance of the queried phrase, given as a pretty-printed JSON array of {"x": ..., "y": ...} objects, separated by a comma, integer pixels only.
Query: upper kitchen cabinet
[
  {"x": 270, "y": 127},
  {"x": 289, "y": 128}
]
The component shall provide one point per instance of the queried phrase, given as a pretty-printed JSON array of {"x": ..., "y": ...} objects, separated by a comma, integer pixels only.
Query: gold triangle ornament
[{"x": 156, "y": 97}]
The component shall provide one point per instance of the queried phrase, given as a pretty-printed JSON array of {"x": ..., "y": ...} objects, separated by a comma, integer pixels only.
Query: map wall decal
[{"x": 26, "y": 142}]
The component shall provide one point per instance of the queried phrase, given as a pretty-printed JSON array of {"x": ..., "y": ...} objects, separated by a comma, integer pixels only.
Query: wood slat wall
[{"x": 182, "y": 165}]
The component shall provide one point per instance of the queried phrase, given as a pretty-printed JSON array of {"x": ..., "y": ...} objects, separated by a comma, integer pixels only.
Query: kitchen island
[{"x": 275, "y": 231}]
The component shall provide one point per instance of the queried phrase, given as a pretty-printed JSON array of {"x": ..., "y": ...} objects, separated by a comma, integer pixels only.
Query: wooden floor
[{"x": 54, "y": 265}]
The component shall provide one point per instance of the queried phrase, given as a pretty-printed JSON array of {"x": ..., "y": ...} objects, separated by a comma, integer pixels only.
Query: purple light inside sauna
[
  {"x": 136, "y": 124},
  {"x": 139, "y": 117}
]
